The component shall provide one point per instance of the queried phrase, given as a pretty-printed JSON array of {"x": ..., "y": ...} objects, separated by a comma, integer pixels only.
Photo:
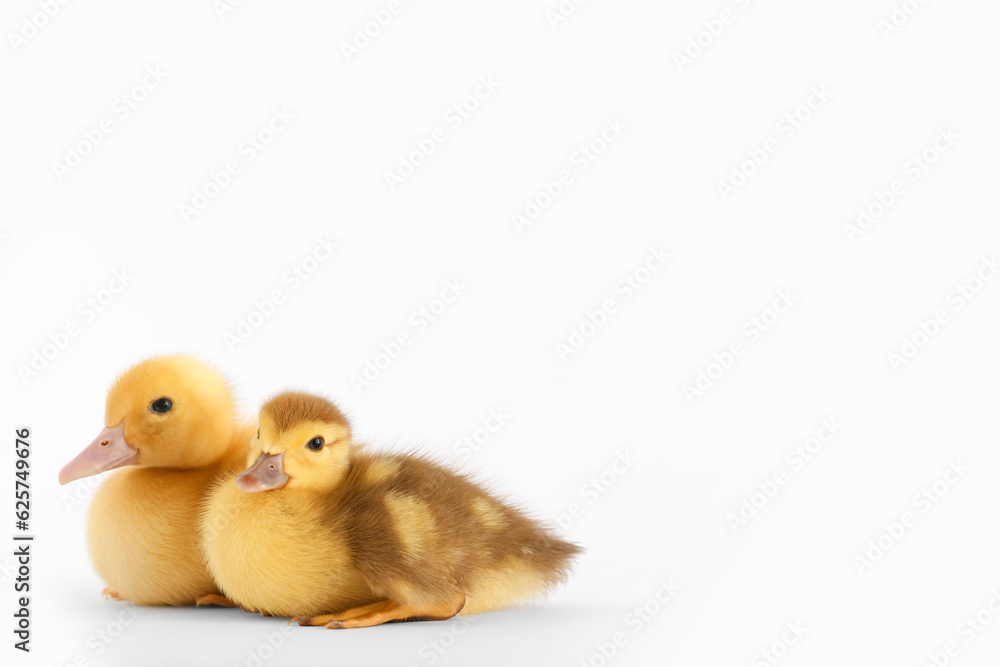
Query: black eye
[
  {"x": 315, "y": 444},
  {"x": 162, "y": 405}
]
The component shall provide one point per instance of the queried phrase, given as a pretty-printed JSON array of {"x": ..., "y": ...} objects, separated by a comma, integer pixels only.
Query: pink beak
[
  {"x": 107, "y": 452},
  {"x": 266, "y": 473}
]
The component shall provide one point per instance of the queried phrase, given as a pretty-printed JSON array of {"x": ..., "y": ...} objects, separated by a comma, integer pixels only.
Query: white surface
[{"x": 494, "y": 347}]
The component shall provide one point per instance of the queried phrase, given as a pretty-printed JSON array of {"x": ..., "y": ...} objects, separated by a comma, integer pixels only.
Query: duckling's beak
[
  {"x": 266, "y": 473},
  {"x": 107, "y": 452}
]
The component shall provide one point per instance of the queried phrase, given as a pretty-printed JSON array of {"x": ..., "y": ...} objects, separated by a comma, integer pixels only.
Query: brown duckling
[{"x": 320, "y": 530}]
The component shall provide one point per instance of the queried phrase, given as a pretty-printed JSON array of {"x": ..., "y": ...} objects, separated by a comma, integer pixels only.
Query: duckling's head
[
  {"x": 171, "y": 412},
  {"x": 303, "y": 443}
]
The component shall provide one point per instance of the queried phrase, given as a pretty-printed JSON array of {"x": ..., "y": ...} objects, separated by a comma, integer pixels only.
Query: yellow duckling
[
  {"x": 171, "y": 425},
  {"x": 321, "y": 531}
]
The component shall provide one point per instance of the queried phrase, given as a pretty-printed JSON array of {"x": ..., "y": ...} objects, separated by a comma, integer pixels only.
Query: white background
[{"x": 687, "y": 126}]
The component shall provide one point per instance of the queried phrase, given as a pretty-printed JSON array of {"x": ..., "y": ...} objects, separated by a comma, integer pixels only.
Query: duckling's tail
[{"x": 527, "y": 561}]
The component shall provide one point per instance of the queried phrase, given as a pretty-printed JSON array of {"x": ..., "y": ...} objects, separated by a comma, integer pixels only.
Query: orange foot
[
  {"x": 386, "y": 611},
  {"x": 214, "y": 598},
  {"x": 110, "y": 594}
]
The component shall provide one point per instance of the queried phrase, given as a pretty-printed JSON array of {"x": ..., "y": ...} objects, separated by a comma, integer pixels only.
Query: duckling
[
  {"x": 170, "y": 426},
  {"x": 322, "y": 531}
]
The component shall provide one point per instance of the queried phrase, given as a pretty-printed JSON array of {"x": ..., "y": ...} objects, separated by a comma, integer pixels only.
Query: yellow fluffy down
[
  {"x": 142, "y": 535},
  {"x": 142, "y": 526},
  {"x": 270, "y": 552},
  {"x": 508, "y": 584}
]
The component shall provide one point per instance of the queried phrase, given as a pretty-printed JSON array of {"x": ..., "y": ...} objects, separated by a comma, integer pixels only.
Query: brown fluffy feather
[
  {"x": 351, "y": 528},
  {"x": 425, "y": 531}
]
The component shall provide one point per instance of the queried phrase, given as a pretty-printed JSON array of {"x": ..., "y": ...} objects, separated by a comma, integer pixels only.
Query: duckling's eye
[
  {"x": 161, "y": 405},
  {"x": 315, "y": 444}
]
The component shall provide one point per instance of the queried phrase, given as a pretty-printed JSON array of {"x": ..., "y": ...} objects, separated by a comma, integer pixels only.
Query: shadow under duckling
[
  {"x": 320, "y": 530},
  {"x": 171, "y": 427}
]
